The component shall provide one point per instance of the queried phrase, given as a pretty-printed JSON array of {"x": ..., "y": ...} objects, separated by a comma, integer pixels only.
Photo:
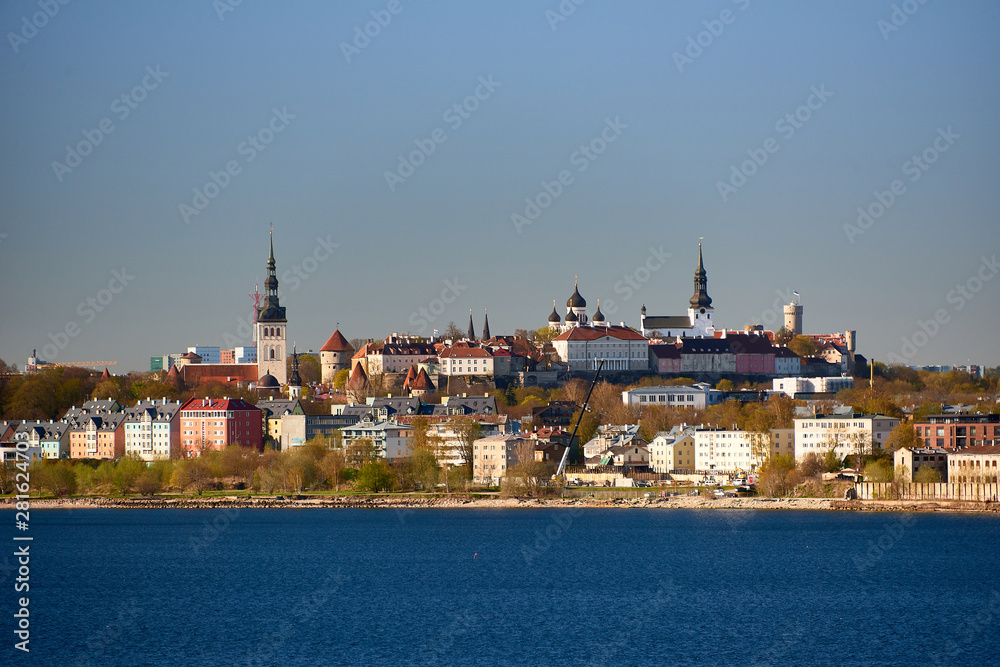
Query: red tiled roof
[
  {"x": 358, "y": 379},
  {"x": 422, "y": 383},
  {"x": 222, "y": 404},
  {"x": 464, "y": 352},
  {"x": 337, "y": 343}
]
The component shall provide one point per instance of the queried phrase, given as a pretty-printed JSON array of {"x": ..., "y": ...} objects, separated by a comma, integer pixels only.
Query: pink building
[{"x": 216, "y": 423}]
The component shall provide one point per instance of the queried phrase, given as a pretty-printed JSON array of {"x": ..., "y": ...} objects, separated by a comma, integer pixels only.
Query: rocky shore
[{"x": 405, "y": 502}]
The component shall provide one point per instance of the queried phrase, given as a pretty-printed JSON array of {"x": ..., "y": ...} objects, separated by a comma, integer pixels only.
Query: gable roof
[{"x": 594, "y": 333}]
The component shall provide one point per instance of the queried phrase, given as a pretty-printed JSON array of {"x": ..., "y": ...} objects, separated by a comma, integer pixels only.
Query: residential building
[
  {"x": 609, "y": 436},
  {"x": 697, "y": 396},
  {"x": 672, "y": 451},
  {"x": 465, "y": 405},
  {"x": 272, "y": 411},
  {"x": 51, "y": 438},
  {"x": 97, "y": 436},
  {"x": 977, "y": 464},
  {"x": 786, "y": 362},
  {"x": 846, "y": 434},
  {"x": 216, "y": 423},
  {"x": 395, "y": 355},
  {"x": 628, "y": 457},
  {"x": 152, "y": 430},
  {"x": 621, "y": 348},
  {"x": 556, "y": 414},
  {"x": 920, "y": 457},
  {"x": 494, "y": 454},
  {"x": 296, "y": 430},
  {"x": 753, "y": 353},
  {"x": 726, "y": 451},
  {"x": 665, "y": 358},
  {"x": 958, "y": 431},
  {"x": 390, "y": 439},
  {"x": 465, "y": 359}
]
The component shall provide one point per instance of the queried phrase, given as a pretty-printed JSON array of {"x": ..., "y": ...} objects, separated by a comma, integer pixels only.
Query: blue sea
[{"x": 506, "y": 587}]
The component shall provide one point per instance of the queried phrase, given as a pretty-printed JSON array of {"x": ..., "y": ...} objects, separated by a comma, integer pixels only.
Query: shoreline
[{"x": 389, "y": 502}]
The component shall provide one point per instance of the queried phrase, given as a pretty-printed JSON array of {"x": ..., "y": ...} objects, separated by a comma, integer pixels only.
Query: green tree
[
  {"x": 375, "y": 477},
  {"x": 149, "y": 483},
  {"x": 724, "y": 385},
  {"x": 832, "y": 462},
  {"x": 927, "y": 475},
  {"x": 902, "y": 435},
  {"x": 586, "y": 432},
  {"x": 340, "y": 379},
  {"x": 126, "y": 473},
  {"x": 782, "y": 336},
  {"x": 777, "y": 476},
  {"x": 804, "y": 346},
  {"x": 880, "y": 470},
  {"x": 192, "y": 472}
]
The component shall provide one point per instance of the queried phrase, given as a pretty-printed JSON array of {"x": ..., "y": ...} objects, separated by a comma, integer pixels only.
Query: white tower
[{"x": 271, "y": 325}]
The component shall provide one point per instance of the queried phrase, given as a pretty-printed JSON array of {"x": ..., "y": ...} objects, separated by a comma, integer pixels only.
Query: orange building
[{"x": 94, "y": 436}]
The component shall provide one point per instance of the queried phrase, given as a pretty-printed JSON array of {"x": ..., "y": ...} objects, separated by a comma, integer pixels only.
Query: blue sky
[{"x": 331, "y": 121}]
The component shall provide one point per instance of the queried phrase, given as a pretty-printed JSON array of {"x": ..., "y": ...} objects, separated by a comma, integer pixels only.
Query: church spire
[
  {"x": 486, "y": 324},
  {"x": 472, "y": 329},
  {"x": 295, "y": 380},
  {"x": 700, "y": 298}
]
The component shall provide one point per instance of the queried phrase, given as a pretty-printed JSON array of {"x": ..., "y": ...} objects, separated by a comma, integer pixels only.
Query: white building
[
  {"x": 392, "y": 440},
  {"x": 786, "y": 362},
  {"x": 622, "y": 348},
  {"x": 974, "y": 464},
  {"x": 697, "y": 396},
  {"x": 29, "y": 454},
  {"x": 800, "y": 385},
  {"x": 847, "y": 434},
  {"x": 732, "y": 450},
  {"x": 152, "y": 430},
  {"x": 244, "y": 355},
  {"x": 463, "y": 359}
]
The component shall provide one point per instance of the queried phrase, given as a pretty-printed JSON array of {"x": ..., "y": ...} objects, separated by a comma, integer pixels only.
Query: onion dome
[
  {"x": 571, "y": 317},
  {"x": 576, "y": 301},
  {"x": 554, "y": 317},
  {"x": 598, "y": 316}
]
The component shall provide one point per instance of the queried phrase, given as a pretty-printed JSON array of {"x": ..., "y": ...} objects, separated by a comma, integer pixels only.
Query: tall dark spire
[
  {"x": 472, "y": 329},
  {"x": 295, "y": 380},
  {"x": 700, "y": 298},
  {"x": 486, "y": 324},
  {"x": 270, "y": 309}
]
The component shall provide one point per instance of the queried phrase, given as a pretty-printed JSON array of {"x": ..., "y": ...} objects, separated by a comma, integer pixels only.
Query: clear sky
[{"x": 762, "y": 127}]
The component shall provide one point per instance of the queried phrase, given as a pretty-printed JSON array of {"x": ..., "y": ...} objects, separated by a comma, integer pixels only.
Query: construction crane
[
  {"x": 84, "y": 364},
  {"x": 562, "y": 464}
]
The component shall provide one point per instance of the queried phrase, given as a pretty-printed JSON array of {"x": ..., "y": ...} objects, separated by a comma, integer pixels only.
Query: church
[
  {"x": 271, "y": 332},
  {"x": 698, "y": 322},
  {"x": 576, "y": 313}
]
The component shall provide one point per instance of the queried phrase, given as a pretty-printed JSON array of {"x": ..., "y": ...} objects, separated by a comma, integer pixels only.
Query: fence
[{"x": 894, "y": 491}]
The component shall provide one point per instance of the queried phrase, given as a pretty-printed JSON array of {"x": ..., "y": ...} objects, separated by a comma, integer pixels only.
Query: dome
[
  {"x": 268, "y": 381},
  {"x": 571, "y": 317},
  {"x": 598, "y": 316},
  {"x": 576, "y": 301},
  {"x": 554, "y": 317}
]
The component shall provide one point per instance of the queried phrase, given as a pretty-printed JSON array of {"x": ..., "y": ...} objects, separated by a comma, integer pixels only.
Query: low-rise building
[
  {"x": 978, "y": 465},
  {"x": 621, "y": 348},
  {"x": 493, "y": 455},
  {"x": 799, "y": 386},
  {"x": 920, "y": 457},
  {"x": 672, "y": 451},
  {"x": 97, "y": 436},
  {"x": 465, "y": 359},
  {"x": 390, "y": 439},
  {"x": 697, "y": 396},
  {"x": 296, "y": 430},
  {"x": 50, "y": 437}
]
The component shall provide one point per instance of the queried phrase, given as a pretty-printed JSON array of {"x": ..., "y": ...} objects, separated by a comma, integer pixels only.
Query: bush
[
  {"x": 927, "y": 475},
  {"x": 375, "y": 477},
  {"x": 879, "y": 471}
]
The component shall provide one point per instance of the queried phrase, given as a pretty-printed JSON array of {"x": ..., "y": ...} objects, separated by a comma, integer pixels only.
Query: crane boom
[{"x": 562, "y": 463}]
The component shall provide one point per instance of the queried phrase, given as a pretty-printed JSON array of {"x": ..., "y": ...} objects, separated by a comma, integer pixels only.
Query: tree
[
  {"x": 126, "y": 473},
  {"x": 239, "y": 462},
  {"x": 192, "y": 472},
  {"x": 57, "y": 478},
  {"x": 340, "y": 379},
  {"x": 467, "y": 430},
  {"x": 587, "y": 430},
  {"x": 149, "y": 483},
  {"x": 783, "y": 335},
  {"x": 804, "y": 346},
  {"x": 927, "y": 475},
  {"x": 902, "y": 435},
  {"x": 724, "y": 385},
  {"x": 879, "y": 471},
  {"x": 811, "y": 465},
  {"x": 333, "y": 465},
  {"x": 375, "y": 477},
  {"x": 777, "y": 476},
  {"x": 544, "y": 335},
  {"x": 524, "y": 476},
  {"x": 453, "y": 332},
  {"x": 361, "y": 452},
  {"x": 832, "y": 462}
]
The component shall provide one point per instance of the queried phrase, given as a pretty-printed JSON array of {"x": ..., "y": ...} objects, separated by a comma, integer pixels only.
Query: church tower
[
  {"x": 700, "y": 311},
  {"x": 271, "y": 324}
]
